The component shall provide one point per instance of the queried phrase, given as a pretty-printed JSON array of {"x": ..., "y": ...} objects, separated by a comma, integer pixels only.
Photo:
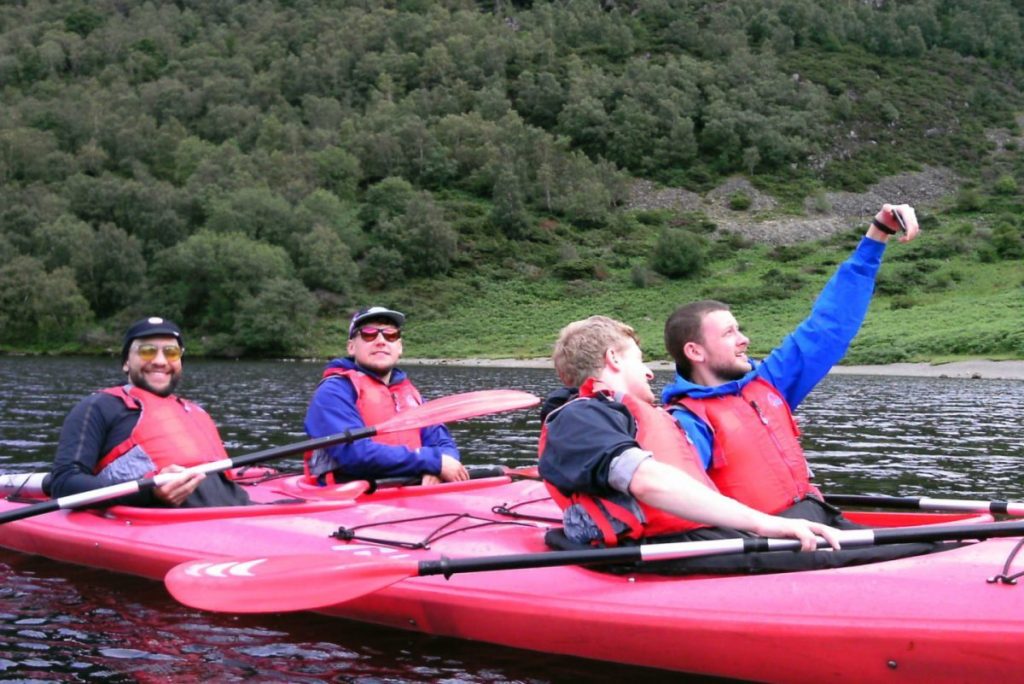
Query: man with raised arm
[{"x": 738, "y": 412}]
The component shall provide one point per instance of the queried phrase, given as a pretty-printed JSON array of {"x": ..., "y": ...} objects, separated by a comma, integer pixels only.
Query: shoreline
[{"x": 975, "y": 369}]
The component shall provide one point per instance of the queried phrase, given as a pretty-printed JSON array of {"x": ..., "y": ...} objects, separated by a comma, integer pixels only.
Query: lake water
[{"x": 880, "y": 435}]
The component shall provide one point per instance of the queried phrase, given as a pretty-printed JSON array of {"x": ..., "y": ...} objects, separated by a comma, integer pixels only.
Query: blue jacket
[
  {"x": 807, "y": 354},
  {"x": 333, "y": 410}
]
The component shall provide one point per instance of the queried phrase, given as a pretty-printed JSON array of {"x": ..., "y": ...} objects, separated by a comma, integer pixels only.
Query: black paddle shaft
[
  {"x": 913, "y": 503},
  {"x": 865, "y": 537},
  {"x": 979, "y": 531},
  {"x": 450, "y": 566},
  {"x": 302, "y": 447}
]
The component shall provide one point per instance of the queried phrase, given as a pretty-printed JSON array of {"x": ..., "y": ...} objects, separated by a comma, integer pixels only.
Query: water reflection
[
  {"x": 65, "y": 624},
  {"x": 937, "y": 436}
]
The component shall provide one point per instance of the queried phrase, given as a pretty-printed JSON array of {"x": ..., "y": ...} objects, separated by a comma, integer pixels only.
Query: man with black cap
[
  {"x": 141, "y": 428},
  {"x": 367, "y": 388}
]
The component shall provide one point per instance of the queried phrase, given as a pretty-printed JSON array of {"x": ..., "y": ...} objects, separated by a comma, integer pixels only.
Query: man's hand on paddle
[
  {"x": 178, "y": 489},
  {"x": 451, "y": 471},
  {"x": 804, "y": 530}
]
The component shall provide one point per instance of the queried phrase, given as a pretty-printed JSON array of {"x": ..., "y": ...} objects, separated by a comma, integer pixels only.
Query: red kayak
[{"x": 932, "y": 618}]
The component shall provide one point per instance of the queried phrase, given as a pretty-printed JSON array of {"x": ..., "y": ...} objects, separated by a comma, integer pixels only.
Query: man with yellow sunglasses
[
  {"x": 367, "y": 388},
  {"x": 141, "y": 428}
]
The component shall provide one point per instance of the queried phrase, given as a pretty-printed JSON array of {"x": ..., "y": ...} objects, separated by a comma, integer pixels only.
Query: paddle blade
[
  {"x": 458, "y": 407},
  {"x": 274, "y": 584},
  {"x": 22, "y": 484}
]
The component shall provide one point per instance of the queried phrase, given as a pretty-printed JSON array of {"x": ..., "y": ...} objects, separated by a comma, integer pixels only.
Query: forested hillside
[{"x": 256, "y": 170}]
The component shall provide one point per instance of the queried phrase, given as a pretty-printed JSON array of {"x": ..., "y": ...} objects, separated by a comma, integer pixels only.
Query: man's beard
[
  {"x": 139, "y": 380},
  {"x": 732, "y": 372}
]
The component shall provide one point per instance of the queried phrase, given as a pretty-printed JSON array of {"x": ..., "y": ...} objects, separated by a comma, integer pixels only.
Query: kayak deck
[{"x": 928, "y": 618}]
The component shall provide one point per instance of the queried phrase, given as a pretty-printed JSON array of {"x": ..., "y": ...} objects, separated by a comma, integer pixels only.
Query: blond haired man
[{"x": 619, "y": 466}]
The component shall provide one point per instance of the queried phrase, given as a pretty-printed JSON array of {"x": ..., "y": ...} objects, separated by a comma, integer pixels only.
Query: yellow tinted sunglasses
[{"x": 148, "y": 352}]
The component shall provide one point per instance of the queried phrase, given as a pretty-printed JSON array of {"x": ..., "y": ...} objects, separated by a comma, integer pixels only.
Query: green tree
[
  {"x": 586, "y": 122},
  {"x": 382, "y": 267},
  {"x": 28, "y": 155},
  {"x": 325, "y": 261},
  {"x": 61, "y": 313},
  {"x": 37, "y": 307},
  {"x": 68, "y": 241},
  {"x": 473, "y": 148},
  {"x": 1005, "y": 185},
  {"x": 582, "y": 196},
  {"x": 633, "y": 132},
  {"x": 218, "y": 172},
  {"x": 386, "y": 199},
  {"x": 230, "y": 121},
  {"x": 324, "y": 208},
  {"x": 190, "y": 153},
  {"x": 678, "y": 254},
  {"x": 338, "y": 171},
  {"x": 7, "y": 249},
  {"x": 153, "y": 211},
  {"x": 539, "y": 98},
  {"x": 169, "y": 98},
  {"x": 1008, "y": 241},
  {"x": 202, "y": 281},
  {"x": 509, "y": 213},
  {"x": 429, "y": 243},
  {"x": 259, "y": 213},
  {"x": 322, "y": 112},
  {"x": 425, "y": 161},
  {"x": 118, "y": 271},
  {"x": 913, "y": 42},
  {"x": 83, "y": 21},
  {"x": 276, "y": 319},
  {"x": 107, "y": 263}
]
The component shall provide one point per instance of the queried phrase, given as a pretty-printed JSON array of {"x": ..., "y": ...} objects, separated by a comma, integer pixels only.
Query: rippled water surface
[{"x": 935, "y": 436}]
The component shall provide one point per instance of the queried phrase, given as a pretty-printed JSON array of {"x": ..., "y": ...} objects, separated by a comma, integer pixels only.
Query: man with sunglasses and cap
[
  {"x": 367, "y": 388},
  {"x": 142, "y": 428}
]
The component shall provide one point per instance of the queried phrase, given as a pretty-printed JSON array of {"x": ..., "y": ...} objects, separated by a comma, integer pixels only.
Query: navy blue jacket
[{"x": 96, "y": 425}]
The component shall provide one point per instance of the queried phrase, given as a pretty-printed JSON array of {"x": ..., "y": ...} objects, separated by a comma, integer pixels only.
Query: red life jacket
[
  {"x": 658, "y": 433},
  {"x": 376, "y": 402},
  {"x": 757, "y": 458},
  {"x": 170, "y": 430}
]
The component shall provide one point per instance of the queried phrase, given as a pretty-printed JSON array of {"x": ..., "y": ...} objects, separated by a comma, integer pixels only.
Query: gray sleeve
[{"x": 623, "y": 466}]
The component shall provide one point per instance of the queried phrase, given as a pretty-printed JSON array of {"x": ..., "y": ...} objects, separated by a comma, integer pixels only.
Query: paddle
[
  {"x": 309, "y": 581},
  {"x": 476, "y": 472},
  {"x": 444, "y": 410},
  {"x": 29, "y": 484},
  {"x": 925, "y": 503}
]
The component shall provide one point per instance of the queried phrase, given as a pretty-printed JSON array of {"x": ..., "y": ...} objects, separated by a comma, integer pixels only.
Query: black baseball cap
[
  {"x": 153, "y": 326},
  {"x": 371, "y": 313}
]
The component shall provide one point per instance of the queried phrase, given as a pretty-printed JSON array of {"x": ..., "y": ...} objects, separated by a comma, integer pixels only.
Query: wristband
[{"x": 882, "y": 227}]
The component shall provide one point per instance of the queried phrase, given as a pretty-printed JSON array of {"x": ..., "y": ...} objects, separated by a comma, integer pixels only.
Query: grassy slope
[{"x": 520, "y": 318}]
